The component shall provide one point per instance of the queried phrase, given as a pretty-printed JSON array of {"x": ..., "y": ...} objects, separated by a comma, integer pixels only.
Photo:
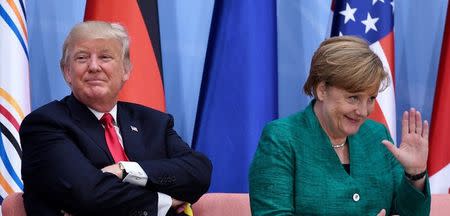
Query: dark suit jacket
[{"x": 64, "y": 149}]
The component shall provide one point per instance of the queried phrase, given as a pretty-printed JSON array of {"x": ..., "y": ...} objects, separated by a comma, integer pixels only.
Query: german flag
[{"x": 140, "y": 18}]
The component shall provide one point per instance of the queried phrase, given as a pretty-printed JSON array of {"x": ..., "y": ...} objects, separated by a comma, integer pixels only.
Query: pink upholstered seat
[
  {"x": 219, "y": 204},
  {"x": 222, "y": 204},
  {"x": 13, "y": 205},
  {"x": 440, "y": 204}
]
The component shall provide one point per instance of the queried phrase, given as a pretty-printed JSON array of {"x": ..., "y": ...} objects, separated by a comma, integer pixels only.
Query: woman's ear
[{"x": 321, "y": 91}]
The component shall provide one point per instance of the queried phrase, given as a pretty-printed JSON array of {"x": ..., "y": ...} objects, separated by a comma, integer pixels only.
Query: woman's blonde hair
[{"x": 348, "y": 63}]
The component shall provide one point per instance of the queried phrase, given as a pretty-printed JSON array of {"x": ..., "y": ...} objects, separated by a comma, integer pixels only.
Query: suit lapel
[
  {"x": 89, "y": 124},
  {"x": 130, "y": 130}
]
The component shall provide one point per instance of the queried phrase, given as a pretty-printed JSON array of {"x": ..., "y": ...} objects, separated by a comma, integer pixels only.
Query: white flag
[{"x": 14, "y": 91}]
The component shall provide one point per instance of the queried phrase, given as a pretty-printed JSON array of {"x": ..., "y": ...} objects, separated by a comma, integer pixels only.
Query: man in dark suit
[{"x": 90, "y": 154}]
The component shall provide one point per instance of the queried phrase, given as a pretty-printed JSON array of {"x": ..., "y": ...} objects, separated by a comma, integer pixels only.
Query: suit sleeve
[
  {"x": 184, "y": 175},
  {"x": 271, "y": 174},
  {"x": 56, "y": 171}
]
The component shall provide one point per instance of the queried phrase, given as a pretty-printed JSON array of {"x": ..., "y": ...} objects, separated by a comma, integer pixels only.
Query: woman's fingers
[
  {"x": 426, "y": 130},
  {"x": 412, "y": 120},
  {"x": 405, "y": 125},
  {"x": 418, "y": 123},
  {"x": 412, "y": 123}
]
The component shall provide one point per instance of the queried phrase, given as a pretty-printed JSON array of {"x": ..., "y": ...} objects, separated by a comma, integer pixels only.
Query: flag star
[
  {"x": 370, "y": 23},
  {"x": 375, "y": 1},
  {"x": 349, "y": 13}
]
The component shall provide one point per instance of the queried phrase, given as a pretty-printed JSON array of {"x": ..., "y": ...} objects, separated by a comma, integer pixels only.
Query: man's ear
[
  {"x": 66, "y": 73},
  {"x": 126, "y": 75},
  {"x": 321, "y": 91}
]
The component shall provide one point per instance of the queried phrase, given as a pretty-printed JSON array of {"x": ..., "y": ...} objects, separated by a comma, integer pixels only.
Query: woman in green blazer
[{"x": 330, "y": 159}]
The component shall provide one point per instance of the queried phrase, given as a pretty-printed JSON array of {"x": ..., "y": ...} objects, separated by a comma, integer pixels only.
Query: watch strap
[
  {"x": 416, "y": 176},
  {"x": 124, "y": 171}
]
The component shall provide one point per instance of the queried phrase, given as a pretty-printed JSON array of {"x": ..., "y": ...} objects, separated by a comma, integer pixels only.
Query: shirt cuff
[
  {"x": 164, "y": 204},
  {"x": 136, "y": 175}
]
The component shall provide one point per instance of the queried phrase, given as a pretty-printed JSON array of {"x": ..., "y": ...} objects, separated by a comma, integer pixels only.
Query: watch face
[{"x": 124, "y": 172}]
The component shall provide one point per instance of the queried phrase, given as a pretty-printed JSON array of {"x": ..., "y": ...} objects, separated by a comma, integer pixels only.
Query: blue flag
[{"x": 238, "y": 95}]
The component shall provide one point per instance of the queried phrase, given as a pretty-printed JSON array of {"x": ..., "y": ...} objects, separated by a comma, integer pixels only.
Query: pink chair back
[
  {"x": 13, "y": 205},
  {"x": 440, "y": 204},
  {"x": 218, "y": 204},
  {"x": 222, "y": 204}
]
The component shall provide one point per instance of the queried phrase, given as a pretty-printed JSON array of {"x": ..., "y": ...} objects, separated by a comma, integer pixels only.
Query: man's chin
[
  {"x": 95, "y": 96},
  {"x": 97, "y": 92}
]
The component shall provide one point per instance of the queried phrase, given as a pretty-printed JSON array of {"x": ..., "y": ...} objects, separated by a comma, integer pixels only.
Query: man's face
[{"x": 95, "y": 71}]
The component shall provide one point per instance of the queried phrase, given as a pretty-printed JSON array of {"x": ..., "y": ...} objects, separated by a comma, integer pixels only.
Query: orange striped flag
[{"x": 14, "y": 92}]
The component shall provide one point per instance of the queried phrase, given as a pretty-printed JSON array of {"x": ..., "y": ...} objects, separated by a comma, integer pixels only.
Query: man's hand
[
  {"x": 114, "y": 169},
  {"x": 178, "y": 205},
  {"x": 65, "y": 213}
]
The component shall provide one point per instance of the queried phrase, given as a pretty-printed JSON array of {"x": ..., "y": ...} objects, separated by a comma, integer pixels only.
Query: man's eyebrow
[
  {"x": 107, "y": 49},
  {"x": 80, "y": 50}
]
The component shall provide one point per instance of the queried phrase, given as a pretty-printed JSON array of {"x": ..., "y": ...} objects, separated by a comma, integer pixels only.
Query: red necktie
[{"x": 112, "y": 140}]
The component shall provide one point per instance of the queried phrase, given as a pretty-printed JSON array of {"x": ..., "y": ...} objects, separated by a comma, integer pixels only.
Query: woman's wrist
[{"x": 415, "y": 170}]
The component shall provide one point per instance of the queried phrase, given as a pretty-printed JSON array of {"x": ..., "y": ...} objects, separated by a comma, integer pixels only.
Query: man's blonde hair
[{"x": 97, "y": 30}]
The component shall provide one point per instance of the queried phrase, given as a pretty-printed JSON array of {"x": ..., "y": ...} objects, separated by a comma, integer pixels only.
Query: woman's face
[{"x": 341, "y": 113}]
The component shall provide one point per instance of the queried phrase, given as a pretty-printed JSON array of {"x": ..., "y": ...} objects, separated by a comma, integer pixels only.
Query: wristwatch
[
  {"x": 124, "y": 171},
  {"x": 415, "y": 177}
]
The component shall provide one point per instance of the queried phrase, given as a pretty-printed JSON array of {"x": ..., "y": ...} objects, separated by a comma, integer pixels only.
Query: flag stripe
[
  {"x": 11, "y": 139},
  {"x": 387, "y": 43},
  {"x": 9, "y": 116},
  {"x": 14, "y": 28},
  {"x": 22, "y": 7},
  {"x": 13, "y": 102},
  {"x": 5, "y": 185},
  {"x": 15, "y": 160},
  {"x": 145, "y": 84},
  {"x": 440, "y": 181},
  {"x": 374, "y": 22},
  {"x": 385, "y": 99},
  {"x": 440, "y": 120},
  {"x": 19, "y": 17},
  {"x": 439, "y": 149},
  {"x": 150, "y": 14},
  {"x": 4, "y": 156},
  {"x": 378, "y": 114}
]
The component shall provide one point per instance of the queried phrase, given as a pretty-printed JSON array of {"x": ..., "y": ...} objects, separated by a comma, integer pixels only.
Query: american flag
[{"x": 372, "y": 20}]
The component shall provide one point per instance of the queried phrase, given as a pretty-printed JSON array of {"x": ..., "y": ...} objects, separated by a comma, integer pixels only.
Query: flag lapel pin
[{"x": 133, "y": 128}]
